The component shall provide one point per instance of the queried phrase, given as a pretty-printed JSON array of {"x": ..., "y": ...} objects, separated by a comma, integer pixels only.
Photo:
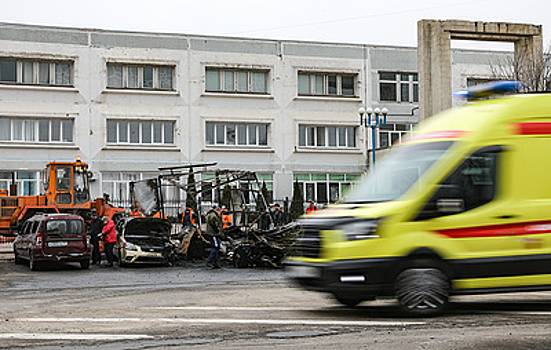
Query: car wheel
[
  {"x": 85, "y": 264},
  {"x": 347, "y": 301},
  {"x": 422, "y": 291},
  {"x": 17, "y": 258},
  {"x": 33, "y": 264},
  {"x": 121, "y": 261}
]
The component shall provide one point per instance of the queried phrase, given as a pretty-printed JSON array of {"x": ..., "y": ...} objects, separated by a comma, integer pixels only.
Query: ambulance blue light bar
[{"x": 501, "y": 87}]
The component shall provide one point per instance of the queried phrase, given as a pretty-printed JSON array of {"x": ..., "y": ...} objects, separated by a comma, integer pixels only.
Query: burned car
[{"x": 144, "y": 240}]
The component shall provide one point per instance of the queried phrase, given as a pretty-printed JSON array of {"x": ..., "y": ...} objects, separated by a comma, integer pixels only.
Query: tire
[
  {"x": 422, "y": 291},
  {"x": 241, "y": 256},
  {"x": 17, "y": 258},
  {"x": 348, "y": 302},
  {"x": 121, "y": 261},
  {"x": 33, "y": 264},
  {"x": 85, "y": 264}
]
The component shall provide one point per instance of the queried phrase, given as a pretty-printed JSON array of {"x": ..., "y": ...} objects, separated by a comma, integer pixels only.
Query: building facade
[{"x": 129, "y": 103}]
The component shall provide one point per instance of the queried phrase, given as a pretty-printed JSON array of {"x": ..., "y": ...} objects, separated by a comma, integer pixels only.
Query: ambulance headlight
[{"x": 361, "y": 229}]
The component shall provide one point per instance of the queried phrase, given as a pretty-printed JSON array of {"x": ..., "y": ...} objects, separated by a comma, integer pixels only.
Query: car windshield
[{"x": 395, "y": 174}]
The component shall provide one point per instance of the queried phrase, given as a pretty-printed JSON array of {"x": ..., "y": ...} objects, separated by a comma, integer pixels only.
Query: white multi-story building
[{"x": 128, "y": 103}]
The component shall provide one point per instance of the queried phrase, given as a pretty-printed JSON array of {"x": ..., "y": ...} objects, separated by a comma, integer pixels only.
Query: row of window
[
  {"x": 318, "y": 187},
  {"x": 393, "y": 86},
  {"x": 148, "y": 132}
]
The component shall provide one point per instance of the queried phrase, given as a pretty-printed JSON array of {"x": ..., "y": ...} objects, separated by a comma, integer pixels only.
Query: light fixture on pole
[{"x": 372, "y": 118}]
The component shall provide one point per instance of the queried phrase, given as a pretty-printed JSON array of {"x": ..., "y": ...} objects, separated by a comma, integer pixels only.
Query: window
[
  {"x": 140, "y": 132},
  {"x": 36, "y": 130},
  {"x": 230, "y": 134},
  {"x": 117, "y": 185},
  {"x": 398, "y": 87},
  {"x": 327, "y": 136},
  {"x": 36, "y": 72},
  {"x": 470, "y": 186},
  {"x": 208, "y": 196},
  {"x": 398, "y": 172},
  {"x": 392, "y": 134},
  {"x": 28, "y": 182},
  {"x": 234, "y": 80},
  {"x": 135, "y": 76},
  {"x": 326, "y": 84},
  {"x": 325, "y": 188}
]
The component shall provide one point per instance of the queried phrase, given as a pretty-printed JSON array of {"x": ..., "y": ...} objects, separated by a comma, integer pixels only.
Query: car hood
[{"x": 147, "y": 228}]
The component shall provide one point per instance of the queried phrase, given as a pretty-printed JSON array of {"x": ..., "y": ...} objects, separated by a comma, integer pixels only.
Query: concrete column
[
  {"x": 434, "y": 64},
  {"x": 434, "y": 58},
  {"x": 529, "y": 59}
]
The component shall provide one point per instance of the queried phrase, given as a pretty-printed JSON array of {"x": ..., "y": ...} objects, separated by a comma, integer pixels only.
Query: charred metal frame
[{"x": 174, "y": 174}]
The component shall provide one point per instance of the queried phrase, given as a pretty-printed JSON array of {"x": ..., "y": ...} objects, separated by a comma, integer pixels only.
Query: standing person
[
  {"x": 278, "y": 214},
  {"x": 214, "y": 231},
  {"x": 312, "y": 208},
  {"x": 189, "y": 217},
  {"x": 227, "y": 219},
  {"x": 95, "y": 236},
  {"x": 109, "y": 238}
]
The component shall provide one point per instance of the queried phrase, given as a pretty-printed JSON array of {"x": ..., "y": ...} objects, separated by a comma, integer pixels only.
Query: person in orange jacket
[
  {"x": 227, "y": 219},
  {"x": 109, "y": 234}
]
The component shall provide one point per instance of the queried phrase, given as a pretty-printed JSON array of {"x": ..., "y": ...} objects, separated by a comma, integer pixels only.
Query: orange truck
[{"x": 67, "y": 191}]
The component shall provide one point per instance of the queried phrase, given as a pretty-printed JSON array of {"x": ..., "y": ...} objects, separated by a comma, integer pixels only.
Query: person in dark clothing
[
  {"x": 214, "y": 232},
  {"x": 95, "y": 237},
  {"x": 278, "y": 215},
  {"x": 189, "y": 217}
]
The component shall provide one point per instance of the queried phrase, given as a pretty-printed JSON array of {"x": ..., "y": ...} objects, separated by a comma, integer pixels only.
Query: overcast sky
[{"x": 386, "y": 22}]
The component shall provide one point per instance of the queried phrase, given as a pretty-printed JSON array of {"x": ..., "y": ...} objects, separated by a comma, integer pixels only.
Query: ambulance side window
[{"x": 470, "y": 186}]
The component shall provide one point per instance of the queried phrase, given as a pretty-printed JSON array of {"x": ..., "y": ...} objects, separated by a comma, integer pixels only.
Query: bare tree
[{"x": 534, "y": 74}]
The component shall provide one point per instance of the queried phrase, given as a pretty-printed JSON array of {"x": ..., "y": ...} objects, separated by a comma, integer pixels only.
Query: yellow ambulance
[{"x": 463, "y": 207}]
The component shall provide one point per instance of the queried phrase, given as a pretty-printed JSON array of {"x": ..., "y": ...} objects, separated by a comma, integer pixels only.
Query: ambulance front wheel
[{"x": 422, "y": 291}]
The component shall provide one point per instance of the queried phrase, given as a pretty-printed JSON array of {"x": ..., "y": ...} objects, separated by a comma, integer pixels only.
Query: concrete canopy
[{"x": 434, "y": 58}]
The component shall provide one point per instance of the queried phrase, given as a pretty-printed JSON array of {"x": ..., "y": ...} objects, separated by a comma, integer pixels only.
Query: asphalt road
[{"x": 191, "y": 307}]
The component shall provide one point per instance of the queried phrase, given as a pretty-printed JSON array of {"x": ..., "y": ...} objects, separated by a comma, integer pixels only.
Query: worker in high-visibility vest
[
  {"x": 189, "y": 218},
  {"x": 158, "y": 215},
  {"x": 136, "y": 213},
  {"x": 227, "y": 218}
]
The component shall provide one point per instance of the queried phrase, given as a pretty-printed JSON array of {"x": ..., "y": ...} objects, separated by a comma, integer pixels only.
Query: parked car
[
  {"x": 144, "y": 240},
  {"x": 52, "y": 238}
]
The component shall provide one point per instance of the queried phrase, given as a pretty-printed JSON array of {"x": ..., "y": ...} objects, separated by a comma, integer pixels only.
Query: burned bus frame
[{"x": 175, "y": 176}]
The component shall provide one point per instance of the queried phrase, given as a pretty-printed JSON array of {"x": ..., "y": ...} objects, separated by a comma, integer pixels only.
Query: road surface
[{"x": 191, "y": 307}]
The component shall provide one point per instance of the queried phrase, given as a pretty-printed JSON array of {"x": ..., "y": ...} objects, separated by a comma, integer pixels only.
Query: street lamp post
[{"x": 372, "y": 118}]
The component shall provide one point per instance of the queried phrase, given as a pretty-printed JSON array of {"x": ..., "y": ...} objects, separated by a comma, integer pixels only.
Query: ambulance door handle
[{"x": 507, "y": 216}]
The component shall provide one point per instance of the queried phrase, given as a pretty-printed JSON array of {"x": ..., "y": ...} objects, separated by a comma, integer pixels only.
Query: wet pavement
[{"x": 192, "y": 307}]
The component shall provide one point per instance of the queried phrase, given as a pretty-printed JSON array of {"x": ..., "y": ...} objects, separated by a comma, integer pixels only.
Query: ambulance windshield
[{"x": 395, "y": 174}]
